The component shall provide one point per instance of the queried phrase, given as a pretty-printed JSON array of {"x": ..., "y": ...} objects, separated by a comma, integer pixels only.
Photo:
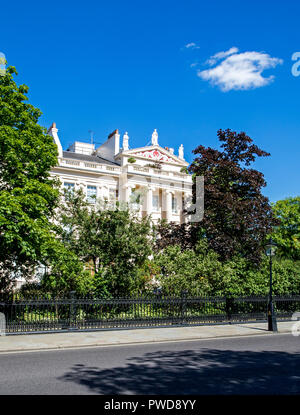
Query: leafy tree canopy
[
  {"x": 200, "y": 272},
  {"x": 237, "y": 216},
  {"x": 112, "y": 242},
  {"x": 287, "y": 233},
  {"x": 27, "y": 193}
]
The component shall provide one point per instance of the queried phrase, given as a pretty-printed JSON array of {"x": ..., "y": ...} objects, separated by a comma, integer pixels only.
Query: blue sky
[{"x": 99, "y": 65}]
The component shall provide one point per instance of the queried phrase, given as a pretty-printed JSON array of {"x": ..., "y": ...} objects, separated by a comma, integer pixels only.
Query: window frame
[{"x": 91, "y": 198}]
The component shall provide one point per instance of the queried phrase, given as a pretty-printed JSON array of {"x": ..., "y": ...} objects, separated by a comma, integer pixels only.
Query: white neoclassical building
[{"x": 117, "y": 172}]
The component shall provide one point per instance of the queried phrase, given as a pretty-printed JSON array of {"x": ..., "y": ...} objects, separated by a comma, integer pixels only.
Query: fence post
[
  {"x": 72, "y": 312},
  {"x": 157, "y": 304},
  {"x": 183, "y": 306},
  {"x": 2, "y": 320},
  {"x": 229, "y": 307}
]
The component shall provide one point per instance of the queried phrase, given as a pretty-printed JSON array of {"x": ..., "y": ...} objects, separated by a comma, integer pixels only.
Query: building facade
[{"x": 152, "y": 178}]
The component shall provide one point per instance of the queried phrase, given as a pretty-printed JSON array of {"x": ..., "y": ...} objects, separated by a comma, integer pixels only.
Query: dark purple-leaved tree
[{"x": 237, "y": 216}]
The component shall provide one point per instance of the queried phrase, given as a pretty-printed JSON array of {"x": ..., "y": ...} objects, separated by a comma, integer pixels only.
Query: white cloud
[
  {"x": 239, "y": 71},
  {"x": 220, "y": 55},
  {"x": 191, "y": 45}
]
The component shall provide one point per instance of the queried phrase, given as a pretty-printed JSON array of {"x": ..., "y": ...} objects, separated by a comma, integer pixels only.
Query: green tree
[
  {"x": 189, "y": 269},
  {"x": 64, "y": 270},
  {"x": 201, "y": 272},
  {"x": 112, "y": 242},
  {"x": 27, "y": 193},
  {"x": 287, "y": 233}
]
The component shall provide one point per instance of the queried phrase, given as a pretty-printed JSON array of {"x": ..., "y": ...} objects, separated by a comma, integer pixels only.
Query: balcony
[
  {"x": 83, "y": 165},
  {"x": 150, "y": 171}
]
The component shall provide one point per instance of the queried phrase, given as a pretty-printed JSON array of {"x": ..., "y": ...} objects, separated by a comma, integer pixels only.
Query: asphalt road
[{"x": 244, "y": 365}]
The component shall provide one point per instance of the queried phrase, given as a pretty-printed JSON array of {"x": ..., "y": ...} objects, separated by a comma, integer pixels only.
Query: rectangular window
[
  {"x": 69, "y": 186},
  {"x": 91, "y": 194},
  {"x": 155, "y": 203}
]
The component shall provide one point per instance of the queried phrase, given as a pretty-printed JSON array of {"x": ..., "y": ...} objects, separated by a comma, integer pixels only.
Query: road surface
[{"x": 268, "y": 364}]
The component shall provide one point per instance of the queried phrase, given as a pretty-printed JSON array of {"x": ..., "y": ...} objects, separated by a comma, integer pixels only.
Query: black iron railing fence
[{"x": 45, "y": 314}]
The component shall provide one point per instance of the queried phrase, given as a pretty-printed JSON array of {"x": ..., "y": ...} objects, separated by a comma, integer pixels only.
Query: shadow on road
[{"x": 195, "y": 372}]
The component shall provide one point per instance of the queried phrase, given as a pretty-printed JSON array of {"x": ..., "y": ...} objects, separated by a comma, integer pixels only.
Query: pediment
[{"x": 156, "y": 154}]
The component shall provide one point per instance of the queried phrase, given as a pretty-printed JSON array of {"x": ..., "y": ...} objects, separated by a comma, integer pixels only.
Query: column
[
  {"x": 180, "y": 206},
  {"x": 168, "y": 205},
  {"x": 127, "y": 192},
  {"x": 149, "y": 201}
]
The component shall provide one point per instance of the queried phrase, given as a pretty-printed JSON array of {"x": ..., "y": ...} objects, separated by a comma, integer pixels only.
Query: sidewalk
[{"x": 52, "y": 341}]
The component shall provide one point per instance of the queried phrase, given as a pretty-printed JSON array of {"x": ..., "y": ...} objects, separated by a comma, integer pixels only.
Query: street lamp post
[{"x": 272, "y": 323}]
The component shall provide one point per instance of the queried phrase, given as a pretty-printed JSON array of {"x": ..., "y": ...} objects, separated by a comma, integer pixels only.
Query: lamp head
[{"x": 270, "y": 247}]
